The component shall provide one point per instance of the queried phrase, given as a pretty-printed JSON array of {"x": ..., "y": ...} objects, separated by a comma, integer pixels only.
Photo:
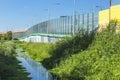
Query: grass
[
  {"x": 67, "y": 47},
  {"x": 100, "y": 61},
  {"x": 9, "y": 68},
  {"x": 37, "y": 51},
  {"x": 83, "y": 57}
]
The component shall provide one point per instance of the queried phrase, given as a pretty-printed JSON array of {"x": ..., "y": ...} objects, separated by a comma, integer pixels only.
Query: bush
[
  {"x": 100, "y": 61},
  {"x": 67, "y": 47},
  {"x": 9, "y": 68},
  {"x": 37, "y": 51}
]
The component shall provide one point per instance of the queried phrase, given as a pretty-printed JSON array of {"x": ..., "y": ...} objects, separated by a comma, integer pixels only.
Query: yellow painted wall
[{"x": 104, "y": 16}]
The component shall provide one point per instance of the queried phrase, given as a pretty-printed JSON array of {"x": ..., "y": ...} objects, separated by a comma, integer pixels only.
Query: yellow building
[{"x": 104, "y": 16}]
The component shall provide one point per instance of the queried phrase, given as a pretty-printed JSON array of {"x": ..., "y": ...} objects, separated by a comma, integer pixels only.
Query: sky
[{"x": 17, "y": 15}]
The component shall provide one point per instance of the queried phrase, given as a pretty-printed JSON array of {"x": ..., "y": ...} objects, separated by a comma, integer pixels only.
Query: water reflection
[{"x": 38, "y": 72}]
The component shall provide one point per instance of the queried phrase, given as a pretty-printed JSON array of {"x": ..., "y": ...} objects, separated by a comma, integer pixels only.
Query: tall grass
[
  {"x": 37, "y": 51},
  {"x": 100, "y": 61},
  {"x": 9, "y": 68},
  {"x": 67, "y": 47},
  {"x": 93, "y": 56}
]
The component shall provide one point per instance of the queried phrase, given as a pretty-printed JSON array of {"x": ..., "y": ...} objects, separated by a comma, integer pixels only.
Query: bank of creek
[{"x": 36, "y": 70}]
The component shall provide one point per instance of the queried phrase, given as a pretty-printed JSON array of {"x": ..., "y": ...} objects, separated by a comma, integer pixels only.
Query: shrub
[{"x": 100, "y": 61}]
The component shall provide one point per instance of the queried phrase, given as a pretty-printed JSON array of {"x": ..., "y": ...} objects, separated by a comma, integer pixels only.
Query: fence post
[
  {"x": 92, "y": 21},
  {"x": 88, "y": 23},
  {"x": 83, "y": 21}
]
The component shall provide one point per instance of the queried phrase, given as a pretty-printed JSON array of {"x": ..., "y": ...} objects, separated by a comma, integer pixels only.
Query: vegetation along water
[
  {"x": 83, "y": 57},
  {"x": 93, "y": 56},
  {"x": 9, "y": 68}
]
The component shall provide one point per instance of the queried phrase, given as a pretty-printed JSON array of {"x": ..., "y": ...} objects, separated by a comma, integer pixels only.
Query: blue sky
[{"x": 18, "y": 15}]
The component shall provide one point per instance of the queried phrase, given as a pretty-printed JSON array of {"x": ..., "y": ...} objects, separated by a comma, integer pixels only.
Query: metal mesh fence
[{"x": 63, "y": 25}]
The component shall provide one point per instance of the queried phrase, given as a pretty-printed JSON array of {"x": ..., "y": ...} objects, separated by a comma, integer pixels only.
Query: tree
[
  {"x": 9, "y": 35},
  {"x": 0, "y": 36}
]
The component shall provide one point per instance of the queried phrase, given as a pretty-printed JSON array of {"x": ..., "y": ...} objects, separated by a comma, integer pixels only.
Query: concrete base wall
[{"x": 44, "y": 39}]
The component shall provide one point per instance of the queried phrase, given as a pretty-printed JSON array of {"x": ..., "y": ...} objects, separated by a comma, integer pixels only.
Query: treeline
[{"x": 6, "y": 36}]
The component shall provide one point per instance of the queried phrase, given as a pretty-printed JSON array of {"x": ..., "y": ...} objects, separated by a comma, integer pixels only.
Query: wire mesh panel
[{"x": 63, "y": 25}]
